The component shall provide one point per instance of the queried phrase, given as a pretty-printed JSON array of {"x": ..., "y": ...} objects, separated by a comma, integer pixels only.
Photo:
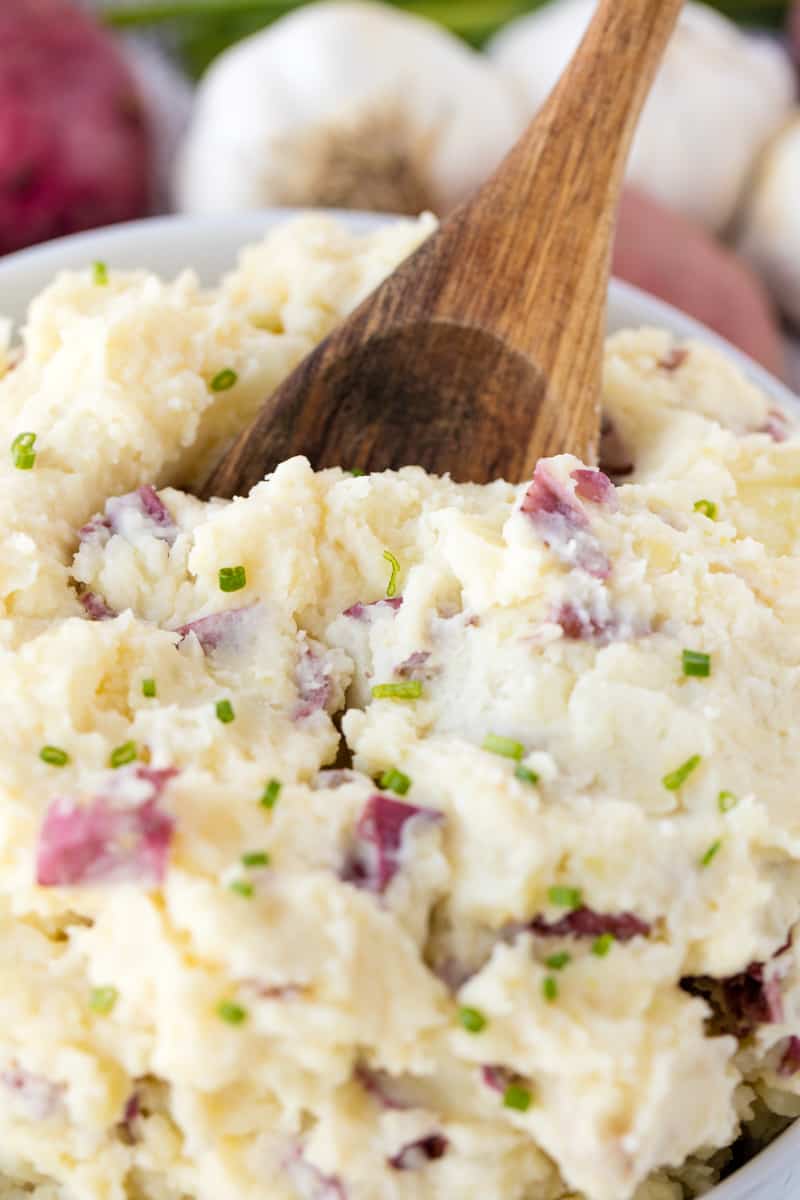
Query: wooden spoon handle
[{"x": 543, "y": 290}]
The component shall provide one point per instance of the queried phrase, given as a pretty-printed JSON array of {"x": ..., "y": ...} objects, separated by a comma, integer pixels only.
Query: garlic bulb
[
  {"x": 718, "y": 98},
  {"x": 769, "y": 235},
  {"x": 350, "y": 105}
]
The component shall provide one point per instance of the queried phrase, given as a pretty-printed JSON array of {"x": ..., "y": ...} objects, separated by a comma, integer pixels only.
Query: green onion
[
  {"x": 412, "y": 690},
  {"x": 103, "y": 999},
  {"x": 526, "y": 774},
  {"x": 602, "y": 945},
  {"x": 126, "y": 753},
  {"x": 707, "y": 507},
  {"x": 726, "y": 801},
  {"x": 224, "y": 380},
  {"x": 242, "y": 887},
  {"x": 565, "y": 897},
  {"x": 557, "y": 962},
  {"x": 23, "y": 454},
  {"x": 54, "y": 756},
  {"x": 356, "y": 471},
  {"x": 149, "y": 688},
  {"x": 225, "y": 712},
  {"x": 472, "y": 1019},
  {"x": 233, "y": 1013},
  {"x": 507, "y": 747},
  {"x": 100, "y": 273},
  {"x": 696, "y": 663},
  {"x": 232, "y": 579},
  {"x": 517, "y": 1097},
  {"x": 394, "y": 781},
  {"x": 270, "y": 795},
  {"x": 678, "y": 777},
  {"x": 255, "y": 858},
  {"x": 391, "y": 587},
  {"x": 711, "y": 853},
  {"x": 550, "y": 988}
]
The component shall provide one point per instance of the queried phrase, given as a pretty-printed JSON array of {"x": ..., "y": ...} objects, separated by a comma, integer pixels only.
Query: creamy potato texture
[{"x": 371, "y": 838}]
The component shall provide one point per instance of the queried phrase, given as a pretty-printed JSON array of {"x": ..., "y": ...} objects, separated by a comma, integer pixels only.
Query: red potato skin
[
  {"x": 794, "y": 31},
  {"x": 676, "y": 260},
  {"x": 74, "y": 141}
]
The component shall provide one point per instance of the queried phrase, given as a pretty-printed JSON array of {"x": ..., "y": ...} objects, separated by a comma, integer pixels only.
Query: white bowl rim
[{"x": 25, "y": 272}]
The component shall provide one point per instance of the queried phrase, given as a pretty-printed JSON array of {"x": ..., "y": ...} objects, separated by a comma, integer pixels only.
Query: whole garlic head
[
  {"x": 769, "y": 235},
  {"x": 350, "y": 105},
  {"x": 718, "y": 98}
]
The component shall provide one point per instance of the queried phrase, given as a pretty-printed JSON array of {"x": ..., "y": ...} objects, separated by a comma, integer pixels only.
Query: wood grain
[{"x": 482, "y": 352}]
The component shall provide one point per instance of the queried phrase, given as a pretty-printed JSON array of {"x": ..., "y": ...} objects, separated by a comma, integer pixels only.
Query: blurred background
[{"x": 116, "y": 109}]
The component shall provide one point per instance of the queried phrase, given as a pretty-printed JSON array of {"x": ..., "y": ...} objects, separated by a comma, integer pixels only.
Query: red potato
[
  {"x": 794, "y": 31},
  {"x": 676, "y": 260},
  {"x": 74, "y": 141}
]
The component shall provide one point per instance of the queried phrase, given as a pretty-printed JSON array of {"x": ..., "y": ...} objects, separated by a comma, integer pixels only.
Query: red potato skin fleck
[
  {"x": 75, "y": 147},
  {"x": 586, "y": 923}
]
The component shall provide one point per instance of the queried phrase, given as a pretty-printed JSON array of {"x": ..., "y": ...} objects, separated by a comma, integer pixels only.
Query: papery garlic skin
[
  {"x": 718, "y": 98},
  {"x": 770, "y": 229},
  {"x": 350, "y": 105}
]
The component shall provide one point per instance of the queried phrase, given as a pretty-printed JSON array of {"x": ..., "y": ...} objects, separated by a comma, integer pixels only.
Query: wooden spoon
[{"x": 482, "y": 352}]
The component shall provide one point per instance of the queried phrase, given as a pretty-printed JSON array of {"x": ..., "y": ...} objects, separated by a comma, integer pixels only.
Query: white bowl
[{"x": 210, "y": 245}]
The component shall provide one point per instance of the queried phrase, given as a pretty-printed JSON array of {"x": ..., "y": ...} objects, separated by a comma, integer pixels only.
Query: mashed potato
[{"x": 519, "y": 923}]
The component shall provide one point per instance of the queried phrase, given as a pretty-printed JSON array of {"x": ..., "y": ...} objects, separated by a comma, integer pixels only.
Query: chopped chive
[
  {"x": 726, "y": 801},
  {"x": 711, "y": 853},
  {"x": 550, "y": 988},
  {"x": 232, "y": 579},
  {"x": 23, "y": 454},
  {"x": 356, "y": 471},
  {"x": 103, "y": 999},
  {"x": 224, "y": 380},
  {"x": 565, "y": 897},
  {"x": 124, "y": 754},
  {"x": 557, "y": 962},
  {"x": 100, "y": 273},
  {"x": 149, "y": 688},
  {"x": 225, "y": 712},
  {"x": 696, "y": 663},
  {"x": 472, "y": 1019},
  {"x": 394, "y": 781},
  {"x": 411, "y": 690},
  {"x": 391, "y": 587},
  {"x": 233, "y": 1013},
  {"x": 517, "y": 1097},
  {"x": 270, "y": 794},
  {"x": 707, "y": 507},
  {"x": 54, "y": 756},
  {"x": 504, "y": 746},
  {"x": 255, "y": 858},
  {"x": 602, "y": 945},
  {"x": 678, "y": 777},
  {"x": 526, "y": 774},
  {"x": 242, "y": 887}
]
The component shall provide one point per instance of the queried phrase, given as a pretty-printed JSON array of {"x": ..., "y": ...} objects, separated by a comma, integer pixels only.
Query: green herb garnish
[
  {"x": 726, "y": 801},
  {"x": 526, "y": 774},
  {"x": 270, "y": 795},
  {"x": 557, "y": 962},
  {"x": 54, "y": 756},
  {"x": 411, "y": 690},
  {"x": 504, "y": 746},
  {"x": 100, "y": 273},
  {"x": 232, "y": 579},
  {"x": 602, "y": 945},
  {"x": 696, "y": 663},
  {"x": 255, "y": 858},
  {"x": 707, "y": 507},
  {"x": 550, "y": 988},
  {"x": 517, "y": 1097},
  {"x": 678, "y": 777},
  {"x": 391, "y": 587},
  {"x": 103, "y": 999},
  {"x": 565, "y": 897},
  {"x": 149, "y": 688},
  {"x": 23, "y": 454},
  {"x": 242, "y": 887},
  {"x": 224, "y": 380},
  {"x": 124, "y": 754},
  {"x": 233, "y": 1013},
  {"x": 225, "y": 712},
  {"x": 394, "y": 781},
  {"x": 711, "y": 853},
  {"x": 356, "y": 472},
  {"x": 472, "y": 1019}
]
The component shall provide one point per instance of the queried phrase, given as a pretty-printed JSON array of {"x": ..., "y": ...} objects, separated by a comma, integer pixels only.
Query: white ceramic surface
[{"x": 209, "y": 245}]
